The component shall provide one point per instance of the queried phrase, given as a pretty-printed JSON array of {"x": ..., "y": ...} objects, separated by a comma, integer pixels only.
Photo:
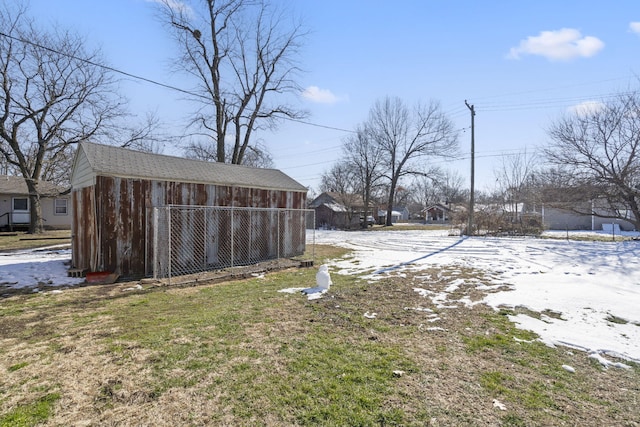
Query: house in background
[
  {"x": 115, "y": 191},
  {"x": 436, "y": 214},
  {"x": 398, "y": 214},
  {"x": 404, "y": 213},
  {"x": 557, "y": 218},
  {"x": 335, "y": 210},
  {"x": 15, "y": 208}
]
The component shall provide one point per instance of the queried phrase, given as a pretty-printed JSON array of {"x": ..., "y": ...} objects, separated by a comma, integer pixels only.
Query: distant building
[
  {"x": 436, "y": 214},
  {"x": 557, "y": 218},
  {"x": 15, "y": 207},
  {"x": 399, "y": 213},
  {"x": 341, "y": 211}
]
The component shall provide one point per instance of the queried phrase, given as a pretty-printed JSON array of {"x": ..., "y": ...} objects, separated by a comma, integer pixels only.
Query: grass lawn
[
  {"x": 240, "y": 353},
  {"x": 22, "y": 240}
]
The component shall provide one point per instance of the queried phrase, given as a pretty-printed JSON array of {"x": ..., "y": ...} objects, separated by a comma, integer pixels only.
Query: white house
[{"x": 15, "y": 208}]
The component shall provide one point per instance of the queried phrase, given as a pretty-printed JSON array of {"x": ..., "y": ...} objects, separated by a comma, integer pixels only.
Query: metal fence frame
[{"x": 194, "y": 239}]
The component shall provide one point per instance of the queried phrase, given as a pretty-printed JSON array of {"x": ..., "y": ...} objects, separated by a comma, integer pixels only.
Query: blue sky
[{"x": 522, "y": 64}]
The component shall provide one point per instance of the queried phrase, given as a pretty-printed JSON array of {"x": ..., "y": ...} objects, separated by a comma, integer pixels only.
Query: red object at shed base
[{"x": 101, "y": 277}]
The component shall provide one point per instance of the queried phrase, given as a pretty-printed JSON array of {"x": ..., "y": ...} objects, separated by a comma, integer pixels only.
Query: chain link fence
[{"x": 193, "y": 239}]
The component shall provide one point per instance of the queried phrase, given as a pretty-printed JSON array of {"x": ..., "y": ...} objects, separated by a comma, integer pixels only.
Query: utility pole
[{"x": 472, "y": 195}]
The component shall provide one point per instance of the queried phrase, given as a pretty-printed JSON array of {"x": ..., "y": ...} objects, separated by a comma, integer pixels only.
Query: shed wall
[
  {"x": 112, "y": 225},
  {"x": 83, "y": 175}
]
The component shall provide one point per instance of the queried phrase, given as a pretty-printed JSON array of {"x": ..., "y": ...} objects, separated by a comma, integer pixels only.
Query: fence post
[
  {"x": 168, "y": 209},
  {"x": 155, "y": 242},
  {"x": 232, "y": 237},
  {"x": 205, "y": 240},
  {"x": 313, "y": 250}
]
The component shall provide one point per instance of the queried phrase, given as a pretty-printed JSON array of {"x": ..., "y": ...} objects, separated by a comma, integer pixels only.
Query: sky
[
  {"x": 520, "y": 64},
  {"x": 586, "y": 293}
]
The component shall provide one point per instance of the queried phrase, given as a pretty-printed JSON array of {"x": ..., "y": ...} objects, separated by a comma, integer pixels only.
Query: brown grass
[
  {"x": 223, "y": 354},
  {"x": 22, "y": 240}
]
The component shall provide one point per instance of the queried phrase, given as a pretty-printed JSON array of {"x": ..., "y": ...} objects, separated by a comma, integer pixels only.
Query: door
[{"x": 20, "y": 211}]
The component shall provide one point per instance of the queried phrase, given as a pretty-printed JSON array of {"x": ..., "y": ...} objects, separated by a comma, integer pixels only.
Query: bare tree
[
  {"x": 257, "y": 154},
  {"x": 242, "y": 54},
  {"x": 343, "y": 183},
  {"x": 596, "y": 154},
  {"x": 365, "y": 158},
  {"x": 341, "y": 179},
  {"x": 142, "y": 135},
  {"x": 53, "y": 94},
  {"x": 515, "y": 178},
  {"x": 438, "y": 186},
  {"x": 404, "y": 137},
  {"x": 451, "y": 187}
]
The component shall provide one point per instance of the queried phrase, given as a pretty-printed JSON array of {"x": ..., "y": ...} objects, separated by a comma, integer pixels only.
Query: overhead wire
[
  {"x": 455, "y": 112},
  {"x": 154, "y": 82}
]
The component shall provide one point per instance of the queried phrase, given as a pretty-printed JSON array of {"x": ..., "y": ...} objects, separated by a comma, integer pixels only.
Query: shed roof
[
  {"x": 18, "y": 186},
  {"x": 346, "y": 200},
  {"x": 107, "y": 160},
  {"x": 335, "y": 207}
]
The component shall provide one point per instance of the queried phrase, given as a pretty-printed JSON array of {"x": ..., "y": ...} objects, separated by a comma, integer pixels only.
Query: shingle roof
[
  {"x": 335, "y": 207},
  {"x": 115, "y": 161},
  {"x": 350, "y": 200},
  {"x": 17, "y": 185}
]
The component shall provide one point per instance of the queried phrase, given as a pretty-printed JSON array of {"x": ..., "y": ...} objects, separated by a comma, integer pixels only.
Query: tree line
[{"x": 589, "y": 166}]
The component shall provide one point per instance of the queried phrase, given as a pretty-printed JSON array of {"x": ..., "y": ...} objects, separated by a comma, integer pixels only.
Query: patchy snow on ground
[
  {"x": 587, "y": 292},
  {"x": 35, "y": 268}
]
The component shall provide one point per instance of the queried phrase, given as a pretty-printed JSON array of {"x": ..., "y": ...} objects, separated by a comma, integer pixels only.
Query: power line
[
  {"x": 319, "y": 125},
  {"x": 549, "y": 103},
  {"x": 95, "y": 64},
  {"x": 457, "y": 111},
  {"x": 552, "y": 88},
  {"x": 154, "y": 82},
  {"x": 306, "y": 153}
]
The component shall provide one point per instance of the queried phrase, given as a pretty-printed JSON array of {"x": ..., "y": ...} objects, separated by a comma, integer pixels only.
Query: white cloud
[
  {"x": 564, "y": 44},
  {"x": 322, "y": 96},
  {"x": 634, "y": 27},
  {"x": 586, "y": 108}
]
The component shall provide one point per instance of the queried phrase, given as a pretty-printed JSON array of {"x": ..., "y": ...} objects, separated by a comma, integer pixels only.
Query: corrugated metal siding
[
  {"x": 121, "y": 222},
  {"x": 84, "y": 238},
  {"x": 112, "y": 227}
]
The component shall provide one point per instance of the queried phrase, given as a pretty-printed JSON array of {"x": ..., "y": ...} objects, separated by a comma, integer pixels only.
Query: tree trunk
[
  {"x": 35, "y": 210},
  {"x": 392, "y": 191}
]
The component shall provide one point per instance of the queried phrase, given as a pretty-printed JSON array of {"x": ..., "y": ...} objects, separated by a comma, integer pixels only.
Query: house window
[
  {"x": 60, "y": 206},
  {"x": 20, "y": 204}
]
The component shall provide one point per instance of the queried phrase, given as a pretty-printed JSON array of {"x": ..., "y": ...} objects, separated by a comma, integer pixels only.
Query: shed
[
  {"x": 114, "y": 190},
  {"x": 338, "y": 210}
]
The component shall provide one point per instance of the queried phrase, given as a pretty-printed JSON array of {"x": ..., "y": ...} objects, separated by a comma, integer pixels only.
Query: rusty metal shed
[{"x": 114, "y": 189}]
